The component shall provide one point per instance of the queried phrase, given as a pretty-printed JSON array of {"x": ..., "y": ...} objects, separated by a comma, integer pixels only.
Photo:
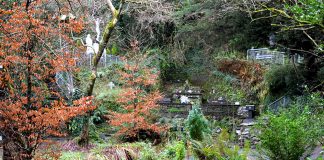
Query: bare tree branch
[
  {"x": 111, "y": 7},
  {"x": 310, "y": 38}
]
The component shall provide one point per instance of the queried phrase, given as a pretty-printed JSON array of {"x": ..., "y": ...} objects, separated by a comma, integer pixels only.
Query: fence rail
[
  {"x": 105, "y": 60},
  {"x": 1, "y": 148},
  {"x": 266, "y": 55},
  {"x": 281, "y": 102}
]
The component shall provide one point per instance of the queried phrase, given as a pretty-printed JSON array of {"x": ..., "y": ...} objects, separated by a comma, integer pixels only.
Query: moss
[
  {"x": 110, "y": 26},
  {"x": 173, "y": 110},
  {"x": 116, "y": 14}
]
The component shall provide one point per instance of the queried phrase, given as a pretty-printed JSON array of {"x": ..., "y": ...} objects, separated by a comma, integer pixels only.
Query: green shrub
[
  {"x": 176, "y": 151},
  {"x": 289, "y": 134},
  {"x": 106, "y": 100},
  {"x": 147, "y": 151},
  {"x": 283, "y": 80},
  {"x": 226, "y": 123},
  {"x": 149, "y": 154},
  {"x": 224, "y": 85},
  {"x": 72, "y": 155},
  {"x": 220, "y": 148},
  {"x": 197, "y": 124},
  {"x": 320, "y": 73}
]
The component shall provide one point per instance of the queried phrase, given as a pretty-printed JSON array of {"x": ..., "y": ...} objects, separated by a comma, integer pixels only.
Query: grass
[
  {"x": 173, "y": 110},
  {"x": 72, "y": 155}
]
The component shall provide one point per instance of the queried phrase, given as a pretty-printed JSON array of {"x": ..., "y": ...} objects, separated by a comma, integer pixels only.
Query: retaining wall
[{"x": 216, "y": 111}]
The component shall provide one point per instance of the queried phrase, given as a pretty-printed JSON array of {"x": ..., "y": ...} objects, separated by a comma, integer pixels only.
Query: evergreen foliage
[{"x": 197, "y": 124}]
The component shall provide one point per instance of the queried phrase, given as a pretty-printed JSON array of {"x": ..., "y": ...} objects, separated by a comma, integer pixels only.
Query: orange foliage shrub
[
  {"x": 138, "y": 100},
  {"x": 250, "y": 75},
  {"x": 248, "y": 72},
  {"x": 31, "y": 109}
]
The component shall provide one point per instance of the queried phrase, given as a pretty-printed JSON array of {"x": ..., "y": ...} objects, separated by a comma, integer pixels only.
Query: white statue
[
  {"x": 184, "y": 100},
  {"x": 89, "y": 44},
  {"x": 93, "y": 47}
]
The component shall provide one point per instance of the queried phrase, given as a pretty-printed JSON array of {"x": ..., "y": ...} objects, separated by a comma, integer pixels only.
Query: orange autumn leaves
[
  {"x": 249, "y": 73},
  {"x": 45, "y": 120},
  {"x": 138, "y": 100},
  {"x": 34, "y": 46}
]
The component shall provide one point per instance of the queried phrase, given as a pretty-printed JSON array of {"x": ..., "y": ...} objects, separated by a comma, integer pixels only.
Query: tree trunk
[
  {"x": 84, "y": 137},
  {"x": 11, "y": 151}
]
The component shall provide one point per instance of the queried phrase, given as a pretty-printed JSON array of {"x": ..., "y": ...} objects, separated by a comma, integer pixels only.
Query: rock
[
  {"x": 245, "y": 133},
  {"x": 218, "y": 130}
]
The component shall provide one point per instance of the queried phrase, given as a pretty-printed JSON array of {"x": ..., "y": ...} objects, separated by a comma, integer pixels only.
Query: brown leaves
[
  {"x": 31, "y": 109},
  {"x": 247, "y": 71},
  {"x": 138, "y": 101}
]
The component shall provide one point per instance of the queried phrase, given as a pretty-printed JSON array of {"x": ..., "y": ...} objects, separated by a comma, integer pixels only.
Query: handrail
[{"x": 276, "y": 101}]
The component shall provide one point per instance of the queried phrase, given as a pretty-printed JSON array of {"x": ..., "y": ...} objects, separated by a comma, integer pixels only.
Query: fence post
[
  {"x": 90, "y": 59},
  {"x": 1, "y": 148},
  {"x": 105, "y": 60}
]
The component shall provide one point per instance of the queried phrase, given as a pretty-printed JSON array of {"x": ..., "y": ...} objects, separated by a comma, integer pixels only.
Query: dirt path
[{"x": 317, "y": 153}]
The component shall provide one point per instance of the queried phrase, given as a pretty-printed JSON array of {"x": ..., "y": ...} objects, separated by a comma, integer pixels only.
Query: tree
[
  {"x": 138, "y": 100},
  {"x": 197, "y": 124},
  {"x": 299, "y": 29},
  {"x": 84, "y": 137},
  {"x": 305, "y": 16},
  {"x": 32, "y": 109}
]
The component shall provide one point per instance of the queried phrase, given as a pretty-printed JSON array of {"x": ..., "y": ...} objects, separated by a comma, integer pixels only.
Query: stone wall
[
  {"x": 215, "y": 111},
  {"x": 220, "y": 111},
  {"x": 173, "y": 110}
]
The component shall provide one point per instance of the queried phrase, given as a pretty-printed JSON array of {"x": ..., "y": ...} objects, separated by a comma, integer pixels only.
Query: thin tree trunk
[{"x": 84, "y": 137}]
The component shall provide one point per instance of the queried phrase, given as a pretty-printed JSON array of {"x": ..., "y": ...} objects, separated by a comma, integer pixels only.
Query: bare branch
[
  {"x": 70, "y": 5},
  {"x": 111, "y": 7},
  {"x": 266, "y": 17},
  {"x": 310, "y": 38},
  {"x": 303, "y": 51}
]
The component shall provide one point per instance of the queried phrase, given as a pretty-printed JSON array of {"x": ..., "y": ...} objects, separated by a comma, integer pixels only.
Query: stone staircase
[{"x": 244, "y": 134}]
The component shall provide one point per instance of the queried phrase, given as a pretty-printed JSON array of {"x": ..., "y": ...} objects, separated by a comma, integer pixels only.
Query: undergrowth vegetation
[
  {"x": 292, "y": 132},
  {"x": 161, "y": 79}
]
